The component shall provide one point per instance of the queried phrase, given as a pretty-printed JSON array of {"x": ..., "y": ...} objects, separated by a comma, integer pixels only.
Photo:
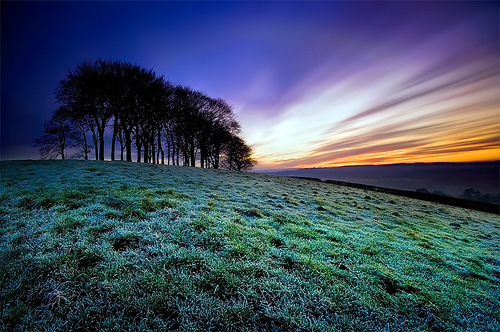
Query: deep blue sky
[{"x": 312, "y": 83}]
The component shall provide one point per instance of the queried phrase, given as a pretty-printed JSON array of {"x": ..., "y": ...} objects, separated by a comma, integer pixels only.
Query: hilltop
[{"x": 115, "y": 246}]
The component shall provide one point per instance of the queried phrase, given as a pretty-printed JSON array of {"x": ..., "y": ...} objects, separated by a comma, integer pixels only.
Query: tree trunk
[
  {"x": 152, "y": 155},
  {"x": 62, "y": 149},
  {"x": 101, "y": 126},
  {"x": 96, "y": 140},
  {"x": 122, "y": 145},
  {"x": 216, "y": 158},
  {"x": 139, "y": 153},
  {"x": 113, "y": 140},
  {"x": 173, "y": 154},
  {"x": 85, "y": 145},
  {"x": 146, "y": 150},
  {"x": 138, "y": 143},
  {"x": 202, "y": 157},
  {"x": 168, "y": 148},
  {"x": 192, "y": 152},
  {"x": 101, "y": 144},
  {"x": 160, "y": 151},
  {"x": 128, "y": 143}
]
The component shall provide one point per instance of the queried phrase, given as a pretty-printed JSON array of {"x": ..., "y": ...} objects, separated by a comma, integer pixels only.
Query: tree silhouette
[
  {"x": 85, "y": 91},
  {"x": 188, "y": 104},
  {"x": 157, "y": 117},
  {"x": 78, "y": 134},
  {"x": 476, "y": 195},
  {"x": 57, "y": 132},
  {"x": 238, "y": 155},
  {"x": 125, "y": 100},
  {"x": 217, "y": 125},
  {"x": 471, "y": 194}
]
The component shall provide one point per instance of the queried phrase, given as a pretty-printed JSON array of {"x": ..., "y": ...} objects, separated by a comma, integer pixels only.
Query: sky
[{"x": 313, "y": 84}]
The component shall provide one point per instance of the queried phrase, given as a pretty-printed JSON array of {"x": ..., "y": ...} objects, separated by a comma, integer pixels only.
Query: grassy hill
[{"x": 89, "y": 246}]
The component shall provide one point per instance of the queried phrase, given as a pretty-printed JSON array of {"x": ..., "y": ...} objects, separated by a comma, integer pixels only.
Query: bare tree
[
  {"x": 219, "y": 125},
  {"x": 147, "y": 110},
  {"x": 86, "y": 92},
  {"x": 238, "y": 155},
  {"x": 77, "y": 133},
  {"x": 56, "y": 138},
  {"x": 188, "y": 104}
]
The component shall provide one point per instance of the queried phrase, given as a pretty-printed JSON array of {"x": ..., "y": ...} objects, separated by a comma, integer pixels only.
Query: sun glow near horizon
[
  {"x": 312, "y": 83},
  {"x": 471, "y": 139},
  {"x": 439, "y": 108}
]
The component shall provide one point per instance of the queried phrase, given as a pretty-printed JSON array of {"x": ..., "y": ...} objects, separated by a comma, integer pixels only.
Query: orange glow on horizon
[
  {"x": 408, "y": 110},
  {"x": 379, "y": 159}
]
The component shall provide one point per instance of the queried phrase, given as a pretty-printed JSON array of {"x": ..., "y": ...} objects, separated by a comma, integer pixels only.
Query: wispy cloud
[
  {"x": 435, "y": 101},
  {"x": 312, "y": 83}
]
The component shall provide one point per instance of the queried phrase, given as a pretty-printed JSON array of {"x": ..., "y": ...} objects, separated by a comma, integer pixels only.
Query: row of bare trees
[{"x": 165, "y": 123}]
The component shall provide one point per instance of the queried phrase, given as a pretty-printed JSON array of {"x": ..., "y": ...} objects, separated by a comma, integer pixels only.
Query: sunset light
[
  {"x": 430, "y": 103},
  {"x": 313, "y": 84},
  {"x": 269, "y": 165}
]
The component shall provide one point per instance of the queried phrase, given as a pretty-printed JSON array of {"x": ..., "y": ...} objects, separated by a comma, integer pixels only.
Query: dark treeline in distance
[{"x": 166, "y": 123}]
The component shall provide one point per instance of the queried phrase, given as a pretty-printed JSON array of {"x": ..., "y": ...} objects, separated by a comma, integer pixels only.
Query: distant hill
[
  {"x": 117, "y": 246},
  {"x": 450, "y": 178}
]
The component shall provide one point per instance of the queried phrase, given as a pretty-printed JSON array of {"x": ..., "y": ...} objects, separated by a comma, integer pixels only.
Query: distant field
[
  {"x": 114, "y": 246},
  {"x": 450, "y": 178}
]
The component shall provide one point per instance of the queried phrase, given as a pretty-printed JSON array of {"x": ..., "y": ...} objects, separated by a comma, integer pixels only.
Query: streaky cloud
[{"x": 418, "y": 101}]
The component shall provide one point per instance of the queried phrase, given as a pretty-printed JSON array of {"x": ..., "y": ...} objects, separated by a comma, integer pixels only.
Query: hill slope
[
  {"x": 116, "y": 246},
  {"x": 450, "y": 178}
]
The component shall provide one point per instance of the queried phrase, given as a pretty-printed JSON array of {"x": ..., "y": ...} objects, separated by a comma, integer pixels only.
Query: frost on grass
[{"x": 119, "y": 246}]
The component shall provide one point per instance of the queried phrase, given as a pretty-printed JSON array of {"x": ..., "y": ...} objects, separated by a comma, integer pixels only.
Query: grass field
[{"x": 89, "y": 246}]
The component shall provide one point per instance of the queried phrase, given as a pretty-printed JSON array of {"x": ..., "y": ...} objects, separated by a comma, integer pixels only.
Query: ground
[{"x": 89, "y": 245}]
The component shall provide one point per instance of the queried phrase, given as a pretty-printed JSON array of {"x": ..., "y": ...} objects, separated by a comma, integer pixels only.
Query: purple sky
[{"x": 312, "y": 83}]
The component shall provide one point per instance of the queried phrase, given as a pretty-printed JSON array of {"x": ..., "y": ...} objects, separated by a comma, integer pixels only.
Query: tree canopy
[{"x": 166, "y": 123}]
